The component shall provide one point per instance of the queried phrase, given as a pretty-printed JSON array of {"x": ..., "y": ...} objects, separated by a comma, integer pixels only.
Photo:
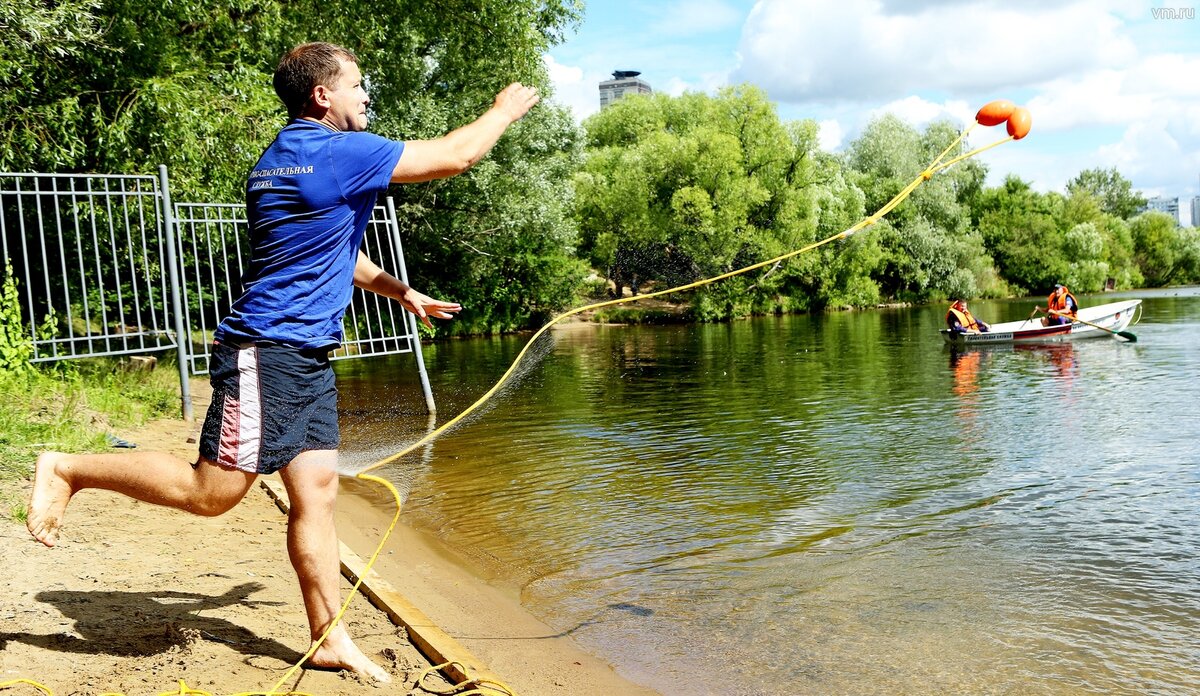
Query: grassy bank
[{"x": 71, "y": 407}]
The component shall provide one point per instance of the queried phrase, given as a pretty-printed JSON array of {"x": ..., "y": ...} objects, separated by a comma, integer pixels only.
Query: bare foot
[
  {"x": 49, "y": 499},
  {"x": 339, "y": 652}
]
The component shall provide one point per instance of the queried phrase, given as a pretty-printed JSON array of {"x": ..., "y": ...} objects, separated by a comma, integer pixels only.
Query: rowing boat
[{"x": 1114, "y": 317}]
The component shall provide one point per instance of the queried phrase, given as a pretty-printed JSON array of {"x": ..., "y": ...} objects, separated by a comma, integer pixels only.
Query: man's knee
[
  {"x": 311, "y": 480},
  {"x": 218, "y": 490},
  {"x": 209, "y": 506}
]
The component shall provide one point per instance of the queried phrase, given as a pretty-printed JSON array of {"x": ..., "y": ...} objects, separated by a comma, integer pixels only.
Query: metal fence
[
  {"x": 214, "y": 248},
  {"x": 89, "y": 259},
  {"x": 105, "y": 265}
]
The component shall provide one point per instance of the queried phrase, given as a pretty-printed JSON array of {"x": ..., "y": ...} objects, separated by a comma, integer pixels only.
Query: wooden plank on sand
[{"x": 433, "y": 642}]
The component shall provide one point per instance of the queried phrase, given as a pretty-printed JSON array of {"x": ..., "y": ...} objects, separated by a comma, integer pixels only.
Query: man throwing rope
[{"x": 274, "y": 405}]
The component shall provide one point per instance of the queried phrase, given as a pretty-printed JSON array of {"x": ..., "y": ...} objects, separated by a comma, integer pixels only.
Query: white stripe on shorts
[{"x": 241, "y": 418}]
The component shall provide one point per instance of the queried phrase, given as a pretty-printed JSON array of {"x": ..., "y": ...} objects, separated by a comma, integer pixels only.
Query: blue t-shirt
[{"x": 308, "y": 202}]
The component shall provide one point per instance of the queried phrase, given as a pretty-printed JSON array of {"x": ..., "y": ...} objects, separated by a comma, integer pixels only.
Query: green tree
[
  {"x": 41, "y": 117},
  {"x": 1114, "y": 257},
  {"x": 1166, "y": 253},
  {"x": 1020, "y": 228},
  {"x": 929, "y": 246},
  {"x": 674, "y": 190},
  {"x": 1188, "y": 246},
  {"x": 837, "y": 274},
  {"x": 1086, "y": 269},
  {"x": 188, "y": 84},
  {"x": 1114, "y": 192}
]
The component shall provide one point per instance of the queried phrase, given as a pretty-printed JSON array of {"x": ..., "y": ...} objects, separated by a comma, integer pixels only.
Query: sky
[{"x": 1109, "y": 83}]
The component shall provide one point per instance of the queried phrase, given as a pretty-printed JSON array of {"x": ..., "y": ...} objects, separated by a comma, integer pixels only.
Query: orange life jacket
[
  {"x": 1058, "y": 302},
  {"x": 965, "y": 319}
]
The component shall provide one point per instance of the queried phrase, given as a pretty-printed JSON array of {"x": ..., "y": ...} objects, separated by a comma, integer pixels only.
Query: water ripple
[{"x": 837, "y": 491}]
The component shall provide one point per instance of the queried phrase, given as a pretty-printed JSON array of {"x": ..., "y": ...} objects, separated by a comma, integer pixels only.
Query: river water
[{"x": 826, "y": 504}]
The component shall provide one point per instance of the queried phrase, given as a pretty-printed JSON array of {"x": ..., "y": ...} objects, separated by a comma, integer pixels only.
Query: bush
[
  {"x": 594, "y": 289},
  {"x": 16, "y": 346}
]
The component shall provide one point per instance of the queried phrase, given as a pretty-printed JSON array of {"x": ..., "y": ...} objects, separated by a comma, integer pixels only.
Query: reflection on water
[
  {"x": 829, "y": 504},
  {"x": 966, "y": 365}
]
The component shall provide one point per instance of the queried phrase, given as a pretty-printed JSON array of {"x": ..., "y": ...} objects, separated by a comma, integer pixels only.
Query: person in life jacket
[
  {"x": 960, "y": 320},
  {"x": 1060, "y": 300}
]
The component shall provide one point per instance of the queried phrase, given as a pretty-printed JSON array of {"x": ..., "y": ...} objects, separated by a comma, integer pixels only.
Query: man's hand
[
  {"x": 459, "y": 150},
  {"x": 515, "y": 100},
  {"x": 424, "y": 306},
  {"x": 374, "y": 279}
]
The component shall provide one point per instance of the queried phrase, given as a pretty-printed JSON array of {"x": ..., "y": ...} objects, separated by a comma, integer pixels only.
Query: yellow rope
[
  {"x": 494, "y": 688},
  {"x": 935, "y": 167},
  {"x": 487, "y": 687},
  {"x": 14, "y": 682},
  {"x": 926, "y": 175},
  {"x": 354, "y": 590}
]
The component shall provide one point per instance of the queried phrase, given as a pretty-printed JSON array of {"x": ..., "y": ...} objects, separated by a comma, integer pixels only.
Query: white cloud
[
  {"x": 857, "y": 50},
  {"x": 1107, "y": 84},
  {"x": 920, "y": 112},
  {"x": 829, "y": 135},
  {"x": 676, "y": 87},
  {"x": 715, "y": 80},
  {"x": 579, "y": 89},
  {"x": 1153, "y": 87},
  {"x": 562, "y": 74},
  {"x": 1155, "y": 104},
  {"x": 573, "y": 88},
  {"x": 1157, "y": 155},
  {"x": 1043, "y": 170},
  {"x": 1141, "y": 115}
]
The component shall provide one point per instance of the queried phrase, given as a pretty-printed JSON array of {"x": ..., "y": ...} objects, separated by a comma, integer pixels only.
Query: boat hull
[{"x": 1114, "y": 316}]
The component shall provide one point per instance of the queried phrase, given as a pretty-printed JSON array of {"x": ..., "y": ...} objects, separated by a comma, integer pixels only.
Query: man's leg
[
  {"x": 312, "y": 483},
  {"x": 153, "y": 477}
]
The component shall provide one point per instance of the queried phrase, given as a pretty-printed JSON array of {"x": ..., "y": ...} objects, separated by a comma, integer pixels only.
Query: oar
[{"x": 1127, "y": 335}]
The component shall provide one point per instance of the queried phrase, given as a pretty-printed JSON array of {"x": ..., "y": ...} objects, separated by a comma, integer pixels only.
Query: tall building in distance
[
  {"x": 1163, "y": 204},
  {"x": 623, "y": 82},
  {"x": 1196, "y": 211}
]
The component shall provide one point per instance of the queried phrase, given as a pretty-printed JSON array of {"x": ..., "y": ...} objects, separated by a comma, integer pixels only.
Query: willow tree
[
  {"x": 676, "y": 189},
  {"x": 1039, "y": 239},
  {"x": 1166, "y": 253},
  {"x": 1114, "y": 192},
  {"x": 120, "y": 86},
  {"x": 40, "y": 115},
  {"x": 930, "y": 248}
]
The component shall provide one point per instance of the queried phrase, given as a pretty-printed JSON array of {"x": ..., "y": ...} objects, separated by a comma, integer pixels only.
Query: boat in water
[{"x": 1114, "y": 317}]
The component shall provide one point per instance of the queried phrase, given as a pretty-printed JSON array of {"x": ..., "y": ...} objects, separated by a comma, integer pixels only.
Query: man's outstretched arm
[
  {"x": 370, "y": 277},
  {"x": 459, "y": 150}
]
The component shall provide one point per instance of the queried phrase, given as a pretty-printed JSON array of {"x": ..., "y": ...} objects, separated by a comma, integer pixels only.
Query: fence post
[
  {"x": 411, "y": 318},
  {"x": 182, "y": 339}
]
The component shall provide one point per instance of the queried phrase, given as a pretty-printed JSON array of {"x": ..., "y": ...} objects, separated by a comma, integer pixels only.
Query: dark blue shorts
[{"x": 269, "y": 404}]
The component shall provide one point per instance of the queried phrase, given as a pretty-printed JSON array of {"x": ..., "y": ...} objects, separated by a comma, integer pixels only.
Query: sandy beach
[{"x": 136, "y": 598}]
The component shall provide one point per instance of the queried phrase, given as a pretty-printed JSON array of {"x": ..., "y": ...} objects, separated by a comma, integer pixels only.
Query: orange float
[
  {"x": 994, "y": 113},
  {"x": 1019, "y": 123}
]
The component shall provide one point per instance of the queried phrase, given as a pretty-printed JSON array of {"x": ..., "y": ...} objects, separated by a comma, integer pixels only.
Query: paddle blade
[{"x": 1128, "y": 336}]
